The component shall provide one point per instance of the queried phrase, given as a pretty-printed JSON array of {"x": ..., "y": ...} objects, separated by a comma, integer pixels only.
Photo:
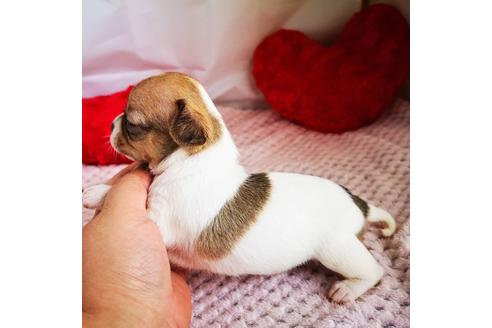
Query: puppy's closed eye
[{"x": 134, "y": 130}]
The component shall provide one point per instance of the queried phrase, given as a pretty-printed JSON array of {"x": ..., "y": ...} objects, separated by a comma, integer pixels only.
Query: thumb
[{"x": 128, "y": 193}]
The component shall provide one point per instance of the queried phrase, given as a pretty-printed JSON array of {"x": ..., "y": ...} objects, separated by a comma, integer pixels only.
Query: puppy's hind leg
[{"x": 350, "y": 258}]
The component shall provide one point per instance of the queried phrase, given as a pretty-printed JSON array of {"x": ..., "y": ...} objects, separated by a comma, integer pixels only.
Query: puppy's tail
[
  {"x": 382, "y": 220},
  {"x": 374, "y": 215}
]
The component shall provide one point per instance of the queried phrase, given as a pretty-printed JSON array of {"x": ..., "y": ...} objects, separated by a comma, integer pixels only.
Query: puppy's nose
[{"x": 112, "y": 126}]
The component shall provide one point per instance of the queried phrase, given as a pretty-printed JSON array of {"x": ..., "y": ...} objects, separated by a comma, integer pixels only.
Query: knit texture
[{"x": 373, "y": 162}]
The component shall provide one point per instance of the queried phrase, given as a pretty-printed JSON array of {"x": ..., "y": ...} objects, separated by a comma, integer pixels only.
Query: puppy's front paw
[{"x": 93, "y": 196}]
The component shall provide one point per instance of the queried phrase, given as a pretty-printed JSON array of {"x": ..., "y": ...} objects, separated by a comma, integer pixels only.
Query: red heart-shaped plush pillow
[
  {"x": 337, "y": 88},
  {"x": 97, "y": 115}
]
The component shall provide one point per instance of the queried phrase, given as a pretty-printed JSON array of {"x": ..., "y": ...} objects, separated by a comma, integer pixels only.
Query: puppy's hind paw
[
  {"x": 93, "y": 196},
  {"x": 341, "y": 292}
]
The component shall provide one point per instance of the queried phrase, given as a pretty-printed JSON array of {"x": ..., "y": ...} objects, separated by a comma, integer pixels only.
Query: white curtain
[{"x": 125, "y": 41}]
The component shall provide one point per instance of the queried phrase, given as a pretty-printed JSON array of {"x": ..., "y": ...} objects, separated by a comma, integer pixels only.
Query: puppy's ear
[{"x": 187, "y": 130}]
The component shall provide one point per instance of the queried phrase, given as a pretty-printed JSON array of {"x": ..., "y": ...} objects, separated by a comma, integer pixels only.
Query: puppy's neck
[{"x": 220, "y": 158}]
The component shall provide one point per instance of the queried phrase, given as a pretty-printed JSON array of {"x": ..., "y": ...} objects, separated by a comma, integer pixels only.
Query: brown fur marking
[
  {"x": 361, "y": 204},
  {"x": 192, "y": 130},
  {"x": 185, "y": 129},
  {"x": 363, "y": 207},
  {"x": 151, "y": 147},
  {"x": 234, "y": 218}
]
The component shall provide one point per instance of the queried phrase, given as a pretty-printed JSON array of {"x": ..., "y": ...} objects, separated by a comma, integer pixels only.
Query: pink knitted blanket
[{"x": 373, "y": 162}]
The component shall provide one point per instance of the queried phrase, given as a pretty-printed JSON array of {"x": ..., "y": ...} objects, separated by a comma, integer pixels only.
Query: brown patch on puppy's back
[{"x": 234, "y": 218}]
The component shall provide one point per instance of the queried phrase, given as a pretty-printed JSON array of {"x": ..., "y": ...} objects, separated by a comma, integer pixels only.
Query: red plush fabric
[
  {"x": 97, "y": 115},
  {"x": 337, "y": 88}
]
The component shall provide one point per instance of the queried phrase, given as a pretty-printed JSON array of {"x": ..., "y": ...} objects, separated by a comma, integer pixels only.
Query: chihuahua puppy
[{"x": 215, "y": 216}]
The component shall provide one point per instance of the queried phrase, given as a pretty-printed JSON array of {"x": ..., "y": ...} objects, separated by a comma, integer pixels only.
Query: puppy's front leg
[{"x": 93, "y": 196}]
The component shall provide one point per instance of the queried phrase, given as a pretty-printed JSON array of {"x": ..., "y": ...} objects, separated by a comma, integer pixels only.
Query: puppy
[{"x": 215, "y": 216}]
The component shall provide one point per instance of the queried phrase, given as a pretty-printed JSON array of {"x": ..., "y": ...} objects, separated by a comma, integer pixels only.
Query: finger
[
  {"x": 118, "y": 175},
  {"x": 128, "y": 194},
  {"x": 124, "y": 171}
]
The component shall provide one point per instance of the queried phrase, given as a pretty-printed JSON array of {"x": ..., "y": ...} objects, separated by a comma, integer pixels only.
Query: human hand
[{"x": 127, "y": 280}]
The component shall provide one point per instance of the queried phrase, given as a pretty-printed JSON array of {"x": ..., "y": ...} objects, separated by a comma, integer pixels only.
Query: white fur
[
  {"x": 93, "y": 196},
  {"x": 116, "y": 130},
  {"x": 305, "y": 218}
]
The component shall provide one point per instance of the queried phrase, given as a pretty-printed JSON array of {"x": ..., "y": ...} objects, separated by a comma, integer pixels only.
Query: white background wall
[{"x": 125, "y": 41}]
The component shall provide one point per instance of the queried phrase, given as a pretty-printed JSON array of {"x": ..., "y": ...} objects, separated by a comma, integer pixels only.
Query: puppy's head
[{"x": 164, "y": 113}]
